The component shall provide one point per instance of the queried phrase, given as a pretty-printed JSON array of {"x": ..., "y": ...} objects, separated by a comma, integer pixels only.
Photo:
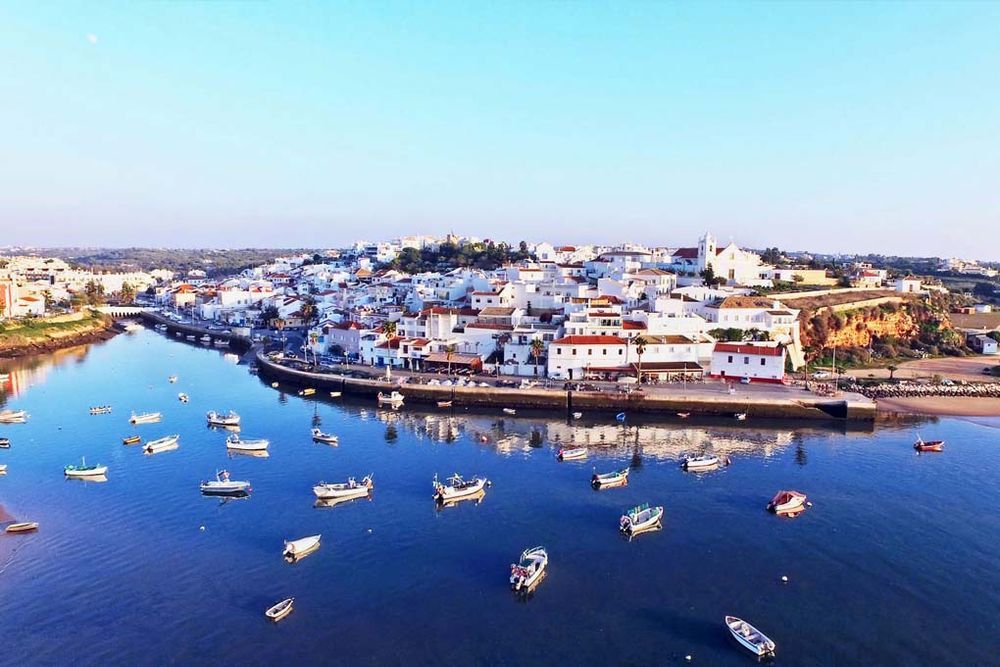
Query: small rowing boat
[
  {"x": 22, "y": 527},
  {"x": 219, "y": 419},
  {"x": 620, "y": 417},
  {"x": 328, "y": 438},
  {"x": 13, "y": 417},
  {"x": 84, "y": 470},
  {"x": 457, "y": 488},
  {"x": 3, "y": 468},
  {"x": 280, "y": 610},
  {"x": 922, "y": 445},
  {"x": 349, "y": 489},
  {"x": 577, "y": 415},
  {"x": 703, "y": 462},
  {"x": 640, "y": 518},
  {"x": 750, "y": 637},
  {"x": 307, "y": 392},
  {"x": 571, "y": 453},
  {"x": 741, "y": 416},
  {"x": 444, "y": 404},
  {"x": 787, "y": 502},
  {"x": 144, "y": 418},
  {"x": 249, "y": 445},
  {"x": 163, "y": 444},
  {"x": 131, "y": 440},
  {"x": 223, "y": 486},
  {"x": 335, "y": 394},
  {"x": 4, "y": 443},
  {"x": 610, "y": 479},
  {"x": 172, "y": 379},
  {"x": 683, "y": 415},
  {"x": 182, "y": 397},
  {"x": 395, "y": 399},
  {"x": 301, "y": 547},
  {"x": 509, "y": 411},
  {"x": 529, "y": 569}
]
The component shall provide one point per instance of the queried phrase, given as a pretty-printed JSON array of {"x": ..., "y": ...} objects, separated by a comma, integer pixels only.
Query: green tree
[
  {"x": 537, "y": 348},
  {"x": 309, "y": 309},
  {"x": 389, "y": 329},
  {"x": 94, "y": 292},
  {"x": 269, "y": 315},
  {"x": 892, "y": 368},
  {"x": 127, "y": 293}
]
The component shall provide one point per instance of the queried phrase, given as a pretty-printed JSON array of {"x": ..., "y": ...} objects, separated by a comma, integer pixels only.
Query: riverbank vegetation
[
  {"x": 486, "y": 256},
  {"x": 37, "y": 334}
]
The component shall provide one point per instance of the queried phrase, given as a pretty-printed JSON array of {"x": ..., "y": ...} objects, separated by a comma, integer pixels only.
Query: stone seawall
[{"x": 572, "y": 401}]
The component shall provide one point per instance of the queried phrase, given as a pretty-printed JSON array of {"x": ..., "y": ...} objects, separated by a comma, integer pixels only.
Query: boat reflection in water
[
  {"x": 326, "y": 503},
  {"x": 93, "y": 478},
  {"x": 256, "y": 454},
  {"x": 476, "y": 498}
]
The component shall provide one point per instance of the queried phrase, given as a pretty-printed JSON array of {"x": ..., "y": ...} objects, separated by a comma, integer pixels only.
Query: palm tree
[
  {"x": 308, "y": 309},
  {"x": 389, "y": 329},
  {"x": 892, "y": 369},
  {"x": 448, "y": 352},
  {"x": 537, "y": 347},
  {"x": 640, "y": 349}
]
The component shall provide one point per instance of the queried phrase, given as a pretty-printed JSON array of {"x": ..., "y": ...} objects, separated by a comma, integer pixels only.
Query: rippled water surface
[{"x": 896, "y": 562}]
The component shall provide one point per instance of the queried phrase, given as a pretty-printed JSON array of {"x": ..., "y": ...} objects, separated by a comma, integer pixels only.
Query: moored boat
[
  {"x": 335, "y": 394},
  {"x": 683, "y": 415},
  {"x": 100, "y": 410},
  {"x": 307, "y": 392},
  {"x": 22, "y": 527},
  {"x": 161, "y": 444},
  {"x": 220, "y": 342},
  {"x": 395, "y": 399},
  {"x": 144, "y": 418},
  {"x": 222, "y": 419},
  {"x": 787, "y": 502},
  {"x": 750, "y": 637},
  {"x": 703, "y": 462},
  {"x": 328, "y": 438},
  {"x": 444, "y": 404},
  {"x": 620, "y": 417},
  {"x": 509, "y": 411},
  {"x": 457, "y": 488},
  {"x": 571, "y": 453},
  {"x": 3, "y": 468},
  {"x": 529, "y": 569},
  {"x": 301, "y": 547},
  {"x": 640, "y": 518},
  {"x": 222, "y": 485},
  {"x": 280, "y": 610},
  {"x": 247, "y": 445},
  {"x": 4, "y": 443},
  {"x": 349, "y": 489},
  {"x": 131, "y": 440},
  {"x": 84, "y": 470},
  {"x": 182, "y": 397},
  {"x": 609, "y": 479},
  {"x": 13, "y": 416},
  {"x": 740, "y": 416},
  {"x": 577, "y": 415},
  {"x": 172, "y": 379},
  {"x": 922, "y": 445}
]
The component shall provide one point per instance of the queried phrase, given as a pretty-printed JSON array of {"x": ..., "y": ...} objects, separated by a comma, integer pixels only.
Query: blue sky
[{"x": 834, "y": 127}]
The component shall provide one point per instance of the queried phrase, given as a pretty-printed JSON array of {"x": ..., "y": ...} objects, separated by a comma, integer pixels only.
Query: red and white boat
[
  {"x": 922, "y": 445},
  {"x": 787, "y": 502}
]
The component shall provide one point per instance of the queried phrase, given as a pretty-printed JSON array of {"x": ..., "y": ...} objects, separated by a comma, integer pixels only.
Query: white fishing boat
[
  {"x": 307, "y": 392},
  {"x": 222, "y": 419},
  {"x": 349, "y": 489},
  {"x": 234, "y": 441},
  {"x": 280, "y": 610},
  {"x": 703, "y": 462},
  {"x": 741, "y": 416},
  {"x": 301, "y": 547},
  {"x": 457, "y": 488},
  {"x": 182, "y": 397},
  {"x": 13, "y": 417},
  {"x": 577, "y": 415},
  {"x": 3, "y": 468},
  {"x": 335, "y": 394},
  {"x": 509, "y": 411},
  {"x": 206, "y": 339},
  {"x": 222, "y": 485},
  {"x": 529, "y": 570},
  {"x": 274, "y": 385},
  {"x": 4, "y": 443},
  {"x": 172, "y": 379},
  {"x": 328, "y": 438},
  {"x": 750, "y": 637},
  {"x": 787, "y": 502},
  {"x": 161, "y": 444},
  {"x": 444, "y": 404},
  {"x": 610, "y": 479},
  {"x": 395, "y": 399},
  {"x": 22, "y": 527},
  {"x": 100, "y": 410},
  {"x": 144, "y": 418},
  {"x": 132, "y": 327},
  {"x": 640, "y": 518},
  {"x": 571, "y": 453},
  {"x": 683, "y": 415},
  {"x": 84, "y": 470}
]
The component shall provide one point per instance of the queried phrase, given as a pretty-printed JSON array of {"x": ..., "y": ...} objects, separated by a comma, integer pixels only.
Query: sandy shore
[
  {"x": 969, "y": 369},
  {"x": 956, "y": 406}
]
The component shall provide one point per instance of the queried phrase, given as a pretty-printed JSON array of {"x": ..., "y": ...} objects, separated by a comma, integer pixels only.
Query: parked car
[{"x": 820, "y": 375}]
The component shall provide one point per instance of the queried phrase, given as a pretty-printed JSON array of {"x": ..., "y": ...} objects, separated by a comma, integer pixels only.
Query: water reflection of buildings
[
  {"x": 19, "y": 375},
  {"x": 511, "y": 436}
]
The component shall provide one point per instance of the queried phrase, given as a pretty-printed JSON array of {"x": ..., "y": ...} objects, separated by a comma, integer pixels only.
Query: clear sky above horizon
[{"x": 841, "y": 127}]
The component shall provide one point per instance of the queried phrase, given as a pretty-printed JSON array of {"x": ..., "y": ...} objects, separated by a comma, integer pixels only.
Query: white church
[{"x": 735, "y": 265}]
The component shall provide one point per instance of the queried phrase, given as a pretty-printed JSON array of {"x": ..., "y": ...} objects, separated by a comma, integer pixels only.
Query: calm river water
[{"x": 896, "y": 563}]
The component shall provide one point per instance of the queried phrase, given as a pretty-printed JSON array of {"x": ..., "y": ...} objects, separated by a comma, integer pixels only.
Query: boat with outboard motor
[
  {"x": 787, "y": 502},
  {"x": 222, "y": 419},
  {"x": 640, "y": 518},
  {"x": 345, "y": 490},
  {"x": 529, "y": 569},
  {"x": 703, "y": 462},
  {"x": 295, "y": 549},
  {"x": 234, "y": 441},
  {"x": 84, "y": 470},
  {"x": 571, "y": 453},
  {"x": 222, "y": 485},
  {"x": 144, "y": 418},
  {"x": 456, "y": 488},
  {"x": 100, "y": 410},
  {"x": 327, "y": 438},
  {"x": 750, "y": 637},
  {"x": 161, "y": 444},
  {"x": 610, "y": 479}
]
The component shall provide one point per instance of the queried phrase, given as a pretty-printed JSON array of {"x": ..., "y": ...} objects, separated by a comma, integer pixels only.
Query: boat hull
[{"x": 97, "y": 471}]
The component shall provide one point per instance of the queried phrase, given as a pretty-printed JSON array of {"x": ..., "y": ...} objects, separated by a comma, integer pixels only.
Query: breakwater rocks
[
  {"x": 797, "y": 407},
  {"x": 970, "y": 390}
]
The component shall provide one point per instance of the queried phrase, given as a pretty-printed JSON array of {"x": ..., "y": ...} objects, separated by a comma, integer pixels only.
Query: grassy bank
[{"x": 48, "y": 333}]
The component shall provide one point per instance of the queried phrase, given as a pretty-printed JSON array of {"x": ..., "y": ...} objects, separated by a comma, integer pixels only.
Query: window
[
  {"x": 619, "y": 352},
  {"x": 558, "y": 350},
  {"x": 574, "y": 351},
  {"x": 746, "y": 360},
  {"x": 605, "y": 351},
  {"x": 589, "y": 352},
  {"x": 730, "y": 359}
]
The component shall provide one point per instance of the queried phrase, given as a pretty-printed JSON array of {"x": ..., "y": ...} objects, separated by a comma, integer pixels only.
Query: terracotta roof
[
  {"x": 496, "y": 311},
  {"x": 686, "y": 253},
  {"x": 630, "y": 325},
  {"x": 589, "y": 340},
  {"x": 747, "y": 348}
]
